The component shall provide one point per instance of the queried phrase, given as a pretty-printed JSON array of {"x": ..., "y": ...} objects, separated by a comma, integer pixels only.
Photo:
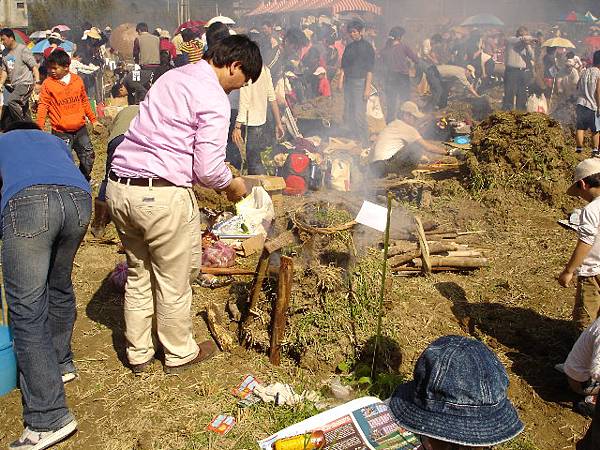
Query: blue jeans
[
  {"x": 355, "y": 109},
  {"x": 80, "y": 142},
  {"x": 110, "y": 152},
  {"x": 254, "y": 147},
  {"x": 43, "y": 226}
]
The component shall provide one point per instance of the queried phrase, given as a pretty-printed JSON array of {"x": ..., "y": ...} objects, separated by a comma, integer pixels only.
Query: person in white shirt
[
  {"x": 252, "y": 113},
  {"x": 582, "y": 366},
  {"x": 585, "y": 260}
]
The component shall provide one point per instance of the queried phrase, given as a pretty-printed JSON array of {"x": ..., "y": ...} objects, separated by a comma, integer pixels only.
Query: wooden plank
[{"x": 284, "y": 292}]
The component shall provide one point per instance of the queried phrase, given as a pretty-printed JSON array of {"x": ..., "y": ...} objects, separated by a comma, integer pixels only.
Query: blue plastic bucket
[{"x": 8, "y": 362}]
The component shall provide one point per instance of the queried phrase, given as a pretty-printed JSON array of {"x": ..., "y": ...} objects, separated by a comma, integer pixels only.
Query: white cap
[
  {"x": 584, "y": 169},
  {"x": 412, "y": 109},
  {"x": 222, "y": 19},
  {"x": 319, "y": 71},
  {"x": 55, "y": 35}
]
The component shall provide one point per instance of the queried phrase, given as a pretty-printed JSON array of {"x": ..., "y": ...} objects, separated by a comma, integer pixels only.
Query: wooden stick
[
  {"x": 457, "y": 262},
  {"x": 424, "y": 247},
  {"x": 284, "y": 292},
  {"x": 406, "y": 269},
  {"x": 222, "y": 337},
  {"x": 259, "y": 277},
  {"x": 440, "y": 247},
  {"x": 227, "y": 271},
  {"x": 386, "y": 247}
]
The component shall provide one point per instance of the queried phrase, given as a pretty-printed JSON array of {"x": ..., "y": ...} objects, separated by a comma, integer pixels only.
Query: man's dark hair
[
  {"x": 141, "y": 27},
  {"x": 216, "y": 32},
  {"x": 187, "y": 34},
  {"x": 21, "y": 124},
  {"x": 436, "y": 38},
  {"x": 592, "y": 181},
  {"x": 355, "y": 25},
  {"x": 295, "y": 38},
  {"x": 570, "y": 55},
  {"x": 7, "y": 32},
  {"x": 596, "y": 58},
  {"x": 268, "y": 23},
  {"x": 114, "y": 91},
  {"x": 397, "y": 32},
  {"x": 238, "y": 48},
  {"x": 59, "y": 57}
]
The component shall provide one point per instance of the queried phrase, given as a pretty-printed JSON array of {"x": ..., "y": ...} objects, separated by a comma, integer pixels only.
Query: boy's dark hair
[
  {"x": 570, "y": 55},
  {"x": 141, "y": 27},
  {"x": 59, "y": 57},
  {"x": 7, "y": 32},
  {"x": 397, "y": 32},
  {"x": 114, "y": 91},
  {"x": 596, "y": 58},
  {"x": 187, "y": 34},
  {"x": 239, "y": 48},
  {"x": 21, "y": 124},
  {"x": 355, "y": 25},
  {"x": 268, "y": 23},
  {"x": 592, "y": 181},
  {"x": 216, "y": 32}
]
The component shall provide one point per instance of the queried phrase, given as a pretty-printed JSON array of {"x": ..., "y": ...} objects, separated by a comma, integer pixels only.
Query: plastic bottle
[{"x": 309, "y": 441}]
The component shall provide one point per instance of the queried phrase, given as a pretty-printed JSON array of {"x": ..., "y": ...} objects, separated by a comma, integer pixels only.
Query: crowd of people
[{"x": 193, "y": 102}]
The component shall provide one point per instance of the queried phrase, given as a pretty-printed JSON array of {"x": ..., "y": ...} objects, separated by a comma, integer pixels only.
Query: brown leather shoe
[
  {"x": 101, "y": 218},
  {"x": 139, "y": 369},
  {"x": 207, "y": 350}
]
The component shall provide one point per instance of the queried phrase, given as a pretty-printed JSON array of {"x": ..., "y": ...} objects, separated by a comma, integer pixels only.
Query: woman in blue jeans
[{"x": 45, "y": 209}]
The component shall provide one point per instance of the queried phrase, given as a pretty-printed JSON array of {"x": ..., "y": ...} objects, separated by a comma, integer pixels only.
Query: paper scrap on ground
[
  {"x": 221, "y": 424},
  {"x": 373, "y": 216}
]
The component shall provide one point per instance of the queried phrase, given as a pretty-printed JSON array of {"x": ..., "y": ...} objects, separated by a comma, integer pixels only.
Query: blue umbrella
[{"x": 67, "y": 46}]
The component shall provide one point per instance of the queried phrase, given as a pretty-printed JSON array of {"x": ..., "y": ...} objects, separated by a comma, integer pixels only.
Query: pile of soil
[{"x": 524, "y": 151}]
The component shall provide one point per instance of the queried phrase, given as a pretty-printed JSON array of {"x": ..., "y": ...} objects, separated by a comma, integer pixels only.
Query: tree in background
[{"x": 44, "y": 14}]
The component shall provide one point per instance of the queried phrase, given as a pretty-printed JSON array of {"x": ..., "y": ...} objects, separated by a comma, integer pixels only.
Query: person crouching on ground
[
  {"x": 46, "y": 207},
  {"x": 585, "y": 260},
  {"x": 64, "y": 100},
  {"x": 458, "y": 397},
  {"x": 400, "y": 143}
]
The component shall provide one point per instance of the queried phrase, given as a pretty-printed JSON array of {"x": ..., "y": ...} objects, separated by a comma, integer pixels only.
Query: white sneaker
[
  {"x": 70, "y": 376},
  {"x": 39, "y": 440}
]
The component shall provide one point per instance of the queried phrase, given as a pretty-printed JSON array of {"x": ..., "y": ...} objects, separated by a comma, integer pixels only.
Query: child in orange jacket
[{"x": 64, "y": 100}]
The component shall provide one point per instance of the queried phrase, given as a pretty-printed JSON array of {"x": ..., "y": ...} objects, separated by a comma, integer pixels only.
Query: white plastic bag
[
  {"x": 257, "y": 211},
  {"x": 537, "y": 104}
]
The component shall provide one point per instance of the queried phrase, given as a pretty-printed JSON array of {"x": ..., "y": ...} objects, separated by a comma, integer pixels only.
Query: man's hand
[
  {"x": 236, "y": 190},
  {"x": 564, "y": 279},
  {"x": 236, "y": 137},
  {"x": 279, "y": 131},
  {"x": 366, "y": 94},
  {"x": 37, "y": 88},
  {"x": 98, "y": 127}
]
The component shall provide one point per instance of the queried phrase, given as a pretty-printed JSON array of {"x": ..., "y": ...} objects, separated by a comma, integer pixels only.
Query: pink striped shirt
[{"x": 180, "y": 133}]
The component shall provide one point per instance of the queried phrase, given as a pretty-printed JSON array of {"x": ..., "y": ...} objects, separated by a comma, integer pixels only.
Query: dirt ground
[{"x": 515, "y": 306}]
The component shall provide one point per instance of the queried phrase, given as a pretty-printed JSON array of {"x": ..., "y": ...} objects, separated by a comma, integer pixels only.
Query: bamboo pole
[
  {"x": 284, "y": 292},
  {"x": 386, "y": 245}
]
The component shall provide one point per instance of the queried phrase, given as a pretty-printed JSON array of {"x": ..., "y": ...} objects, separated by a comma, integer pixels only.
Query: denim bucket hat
[{"x": 458, "y": 395}]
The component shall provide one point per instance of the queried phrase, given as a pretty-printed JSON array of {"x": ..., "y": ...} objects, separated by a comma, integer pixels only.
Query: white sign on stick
[{"x": 373, "y": 216}]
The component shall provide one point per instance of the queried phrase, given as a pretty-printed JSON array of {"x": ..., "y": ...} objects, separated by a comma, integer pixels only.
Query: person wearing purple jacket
[{"x": 178, "y": 139}]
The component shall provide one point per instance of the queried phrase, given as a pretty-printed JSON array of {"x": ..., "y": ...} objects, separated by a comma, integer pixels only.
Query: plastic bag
[
  {"x": 218, "y": 255},
  {"x": 257, "y": 211},
  {"x": 537, "y": 104},
  {"x": 339, "y": 175},
  {"x": 118, "y": 277}
]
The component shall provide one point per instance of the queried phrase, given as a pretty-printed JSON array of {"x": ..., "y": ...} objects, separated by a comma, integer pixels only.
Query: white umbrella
[
  {"x": 40, "y": 34},
  {"x": 222, "y": 19}
]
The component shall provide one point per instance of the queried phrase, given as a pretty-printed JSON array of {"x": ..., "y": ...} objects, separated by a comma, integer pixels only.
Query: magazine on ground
[{"x": 364, "y": 423}]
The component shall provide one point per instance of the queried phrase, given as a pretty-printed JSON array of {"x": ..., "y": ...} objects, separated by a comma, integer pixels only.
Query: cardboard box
[{"x": 273, "y": 185}]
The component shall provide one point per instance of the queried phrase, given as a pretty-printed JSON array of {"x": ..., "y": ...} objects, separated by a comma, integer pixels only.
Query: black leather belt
[{"x": 157, "y": 182}]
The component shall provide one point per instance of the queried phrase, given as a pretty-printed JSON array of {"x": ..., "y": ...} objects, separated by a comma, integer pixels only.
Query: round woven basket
[{"x": 302, "y": 225}]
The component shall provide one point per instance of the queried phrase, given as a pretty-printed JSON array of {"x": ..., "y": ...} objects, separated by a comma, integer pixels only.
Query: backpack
[{"x": 296, "y": 172}]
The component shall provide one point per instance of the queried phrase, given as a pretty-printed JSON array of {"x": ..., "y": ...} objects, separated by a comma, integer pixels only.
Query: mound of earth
[{"x": 524, "y": 151}]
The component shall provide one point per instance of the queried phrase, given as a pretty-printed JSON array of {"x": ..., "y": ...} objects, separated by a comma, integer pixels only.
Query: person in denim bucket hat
[{"x": 458, "y": 396}]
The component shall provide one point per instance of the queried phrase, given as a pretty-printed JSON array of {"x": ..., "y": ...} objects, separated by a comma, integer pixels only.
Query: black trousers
[
  {"x": 397, "y": 90},
  {"x": 516, "y": 82}
]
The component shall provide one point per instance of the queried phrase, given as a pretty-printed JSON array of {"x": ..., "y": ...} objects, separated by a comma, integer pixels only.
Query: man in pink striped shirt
[{"x": 178, "y": 139}]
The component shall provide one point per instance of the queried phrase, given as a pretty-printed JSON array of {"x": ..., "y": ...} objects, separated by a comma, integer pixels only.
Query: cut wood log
[
  {"x": 259, "y": 278},
  {"x": 423, "y": 246},
  {"x": 223, "y": 338},
  {"x": 435, "y": 248},
  {"x": 279, "y": 319},
  {"x": 456, "y": 262},
  {"x": 227, "y": 271},
  {"x": 464, "y": 253}
]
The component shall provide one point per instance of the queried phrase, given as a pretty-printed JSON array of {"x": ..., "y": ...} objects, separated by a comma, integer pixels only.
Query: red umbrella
[
  {"x": 21, "y": 37},
  {"x": 190, "y": 24}
]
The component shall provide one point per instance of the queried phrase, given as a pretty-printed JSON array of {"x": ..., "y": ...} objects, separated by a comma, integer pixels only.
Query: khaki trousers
[
  {"x": 587, "y": 302},
  {"x": 160, "y": 231}
]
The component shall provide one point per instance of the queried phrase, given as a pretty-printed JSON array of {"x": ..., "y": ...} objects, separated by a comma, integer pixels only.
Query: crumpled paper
[{"x": 283, "y": 394}]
